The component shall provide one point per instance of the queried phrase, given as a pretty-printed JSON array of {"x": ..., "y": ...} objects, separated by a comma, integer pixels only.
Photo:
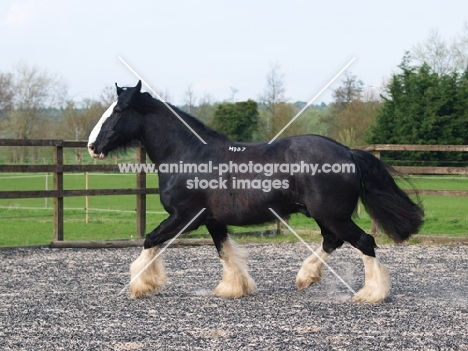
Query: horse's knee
[
  {"x": 148, "y": 244},
  {"x": 152, "y": 240}
]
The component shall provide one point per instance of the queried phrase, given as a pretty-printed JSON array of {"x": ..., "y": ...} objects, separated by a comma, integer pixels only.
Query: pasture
[
  {"x": 68, "y": 299},
  {"x": 30, "y": 222}
]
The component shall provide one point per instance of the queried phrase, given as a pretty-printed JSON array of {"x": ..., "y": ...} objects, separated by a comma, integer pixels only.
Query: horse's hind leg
[
  {"x": 236, "y": 281},
  {"x": 377, "y": 284},
  {"x": 311, "y": 270},
  {"x": 377, "y": 278}
]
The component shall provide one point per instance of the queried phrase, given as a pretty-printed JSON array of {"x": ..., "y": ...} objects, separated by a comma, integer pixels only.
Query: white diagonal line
[
  {"x": 160, "y": 98},
  {"x": 313, "y": 99},
  {"x": 318, "y": 256},
  {"x": 162, "y": 250}
]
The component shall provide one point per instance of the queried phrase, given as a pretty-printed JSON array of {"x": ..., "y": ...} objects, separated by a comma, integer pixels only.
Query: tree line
[{"x": 425, "y": 102}]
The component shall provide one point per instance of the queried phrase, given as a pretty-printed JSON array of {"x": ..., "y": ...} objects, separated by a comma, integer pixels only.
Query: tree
[
  {"x": 6, "y": 100},
  {"x": 313, "y": 119},
  {"x": 106, "y": 97},
  {"x": 77, "y": 123},
  {"x": 275, "y": 111},
  {"x": 190, "y": 98},
  {"x": 424, "y": 107},
  {"x": 36, "y": 90},
  {"x": 461, "y": 49},
  {"x": 6, "y": 92},
  {"x": 442, "y": 56},
  {"x": 350, "y": 90},
  {"x": 205, "y": 109},
  {"x": 273, "y": 95},
  {"x": 275, "y": 89},
  {"x": 234, "y": 91},
  {"x": 352, "y": 112},
  {"x": 36, "y": 93},
  {"x": 352, "y": 124},
  {"x": 236, "y": 120}
]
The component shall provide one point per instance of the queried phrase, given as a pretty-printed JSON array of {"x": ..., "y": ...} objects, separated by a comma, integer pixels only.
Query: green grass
[
  {"x": 435, "y": 182},
  {"x": 29, "y": 222}
]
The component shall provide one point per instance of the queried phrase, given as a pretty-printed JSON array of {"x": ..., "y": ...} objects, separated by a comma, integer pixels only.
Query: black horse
[{"x": 310, "y": 174}]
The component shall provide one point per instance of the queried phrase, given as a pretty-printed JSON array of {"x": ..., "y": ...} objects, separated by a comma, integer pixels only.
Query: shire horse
[{"x": 136, "y": 118}]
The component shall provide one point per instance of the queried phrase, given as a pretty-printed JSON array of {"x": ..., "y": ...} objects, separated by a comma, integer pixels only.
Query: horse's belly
[{"x": 245, "y": 208}]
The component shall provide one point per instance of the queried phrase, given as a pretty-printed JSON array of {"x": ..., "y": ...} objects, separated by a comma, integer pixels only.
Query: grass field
[{"x": 30, "y": 221}]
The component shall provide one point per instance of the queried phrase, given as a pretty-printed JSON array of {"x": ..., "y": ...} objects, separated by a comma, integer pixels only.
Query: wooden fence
[
  {"x": 424, "y": 170},
  {"x": 376, "y": 149},
  {"x": 58, "y": 168}
]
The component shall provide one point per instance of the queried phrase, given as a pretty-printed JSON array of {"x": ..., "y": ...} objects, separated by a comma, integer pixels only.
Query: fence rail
[
  {"x": 428, "y": 170},
  {"x": 140, "y": 191},
  {"x": 59, "y": 193},
  {"x": 377, "y": 148},
  {"x": 402, "y": 147}
]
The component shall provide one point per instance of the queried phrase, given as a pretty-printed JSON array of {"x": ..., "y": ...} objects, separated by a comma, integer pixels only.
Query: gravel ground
[{"x": 66, "y": 299}]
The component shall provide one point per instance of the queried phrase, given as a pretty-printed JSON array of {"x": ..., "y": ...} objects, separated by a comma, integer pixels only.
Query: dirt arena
[{"x": 67, "y": 299}]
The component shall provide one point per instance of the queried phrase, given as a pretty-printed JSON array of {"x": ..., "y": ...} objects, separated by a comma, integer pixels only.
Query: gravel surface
[{"x": 66, "y": 299}]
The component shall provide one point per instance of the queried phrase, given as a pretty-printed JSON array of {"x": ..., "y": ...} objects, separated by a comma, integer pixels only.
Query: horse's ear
[
  {"x": 119, "y": 89},
  {"x": 138, "y": 86},
  {"x": 135, "y": 90}
]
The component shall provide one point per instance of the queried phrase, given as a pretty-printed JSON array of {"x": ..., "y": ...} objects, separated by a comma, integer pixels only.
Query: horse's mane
[{"x": 144, "y": 103}]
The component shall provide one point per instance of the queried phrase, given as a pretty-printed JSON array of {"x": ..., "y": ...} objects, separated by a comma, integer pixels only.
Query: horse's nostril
[{"x": 91, "y": 147}]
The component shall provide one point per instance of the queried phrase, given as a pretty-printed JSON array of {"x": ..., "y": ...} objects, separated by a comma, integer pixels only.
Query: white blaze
[{"x": 94, "y": 134}]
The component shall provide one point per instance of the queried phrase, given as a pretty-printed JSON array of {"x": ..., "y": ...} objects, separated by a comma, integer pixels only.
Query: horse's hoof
[
  {"x": 367, "y": 295},
  {"x": 305, "y": 283},
  {"x": 236, "y": 289}
]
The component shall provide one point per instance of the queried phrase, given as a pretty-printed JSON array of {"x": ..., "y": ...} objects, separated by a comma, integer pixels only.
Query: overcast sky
[{"x": 216, "y": 45}]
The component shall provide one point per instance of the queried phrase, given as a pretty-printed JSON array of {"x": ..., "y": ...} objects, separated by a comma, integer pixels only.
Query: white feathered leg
[
  {"x": 152, "y": 279},
  {"x": 377, "y": 284},
  {"x": 236, "y": 281},
  {"x": 311, "y": 270}
]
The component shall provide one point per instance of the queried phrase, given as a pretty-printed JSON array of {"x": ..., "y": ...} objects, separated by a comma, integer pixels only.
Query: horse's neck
[{"x": 171, "y": 141}]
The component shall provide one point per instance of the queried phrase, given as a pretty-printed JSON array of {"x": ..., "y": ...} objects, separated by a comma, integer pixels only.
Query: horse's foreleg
[
  {"x": 147, "y": 272},
  {"x": 236, "y": 281}
]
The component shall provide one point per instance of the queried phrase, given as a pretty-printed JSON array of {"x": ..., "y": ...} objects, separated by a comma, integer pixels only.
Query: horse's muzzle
[{"x": 92, "y": 149}]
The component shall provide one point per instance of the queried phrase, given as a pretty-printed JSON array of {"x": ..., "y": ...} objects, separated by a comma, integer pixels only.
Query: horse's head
[{"x": 118, "y": 127}]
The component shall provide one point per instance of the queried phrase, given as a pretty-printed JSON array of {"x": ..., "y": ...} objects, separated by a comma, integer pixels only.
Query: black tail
[{"x": 385, "y": 202}]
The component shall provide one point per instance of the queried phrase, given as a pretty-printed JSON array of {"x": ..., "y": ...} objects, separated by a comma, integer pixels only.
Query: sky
[{"x": 215, "y": 45}]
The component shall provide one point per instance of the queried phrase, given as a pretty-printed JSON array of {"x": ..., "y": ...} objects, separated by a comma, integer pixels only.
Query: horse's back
[{"x": 324, "y": 174}]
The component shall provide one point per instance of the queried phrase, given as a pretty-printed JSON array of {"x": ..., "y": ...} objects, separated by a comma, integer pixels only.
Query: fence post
[
  {"x": 46, "y": 188},
  {"x": 58, "y": 200},
  {"x": 374, "y": 226},
  {"x": 87, "y": 198},
  {"x": 141, "y": 198}
]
